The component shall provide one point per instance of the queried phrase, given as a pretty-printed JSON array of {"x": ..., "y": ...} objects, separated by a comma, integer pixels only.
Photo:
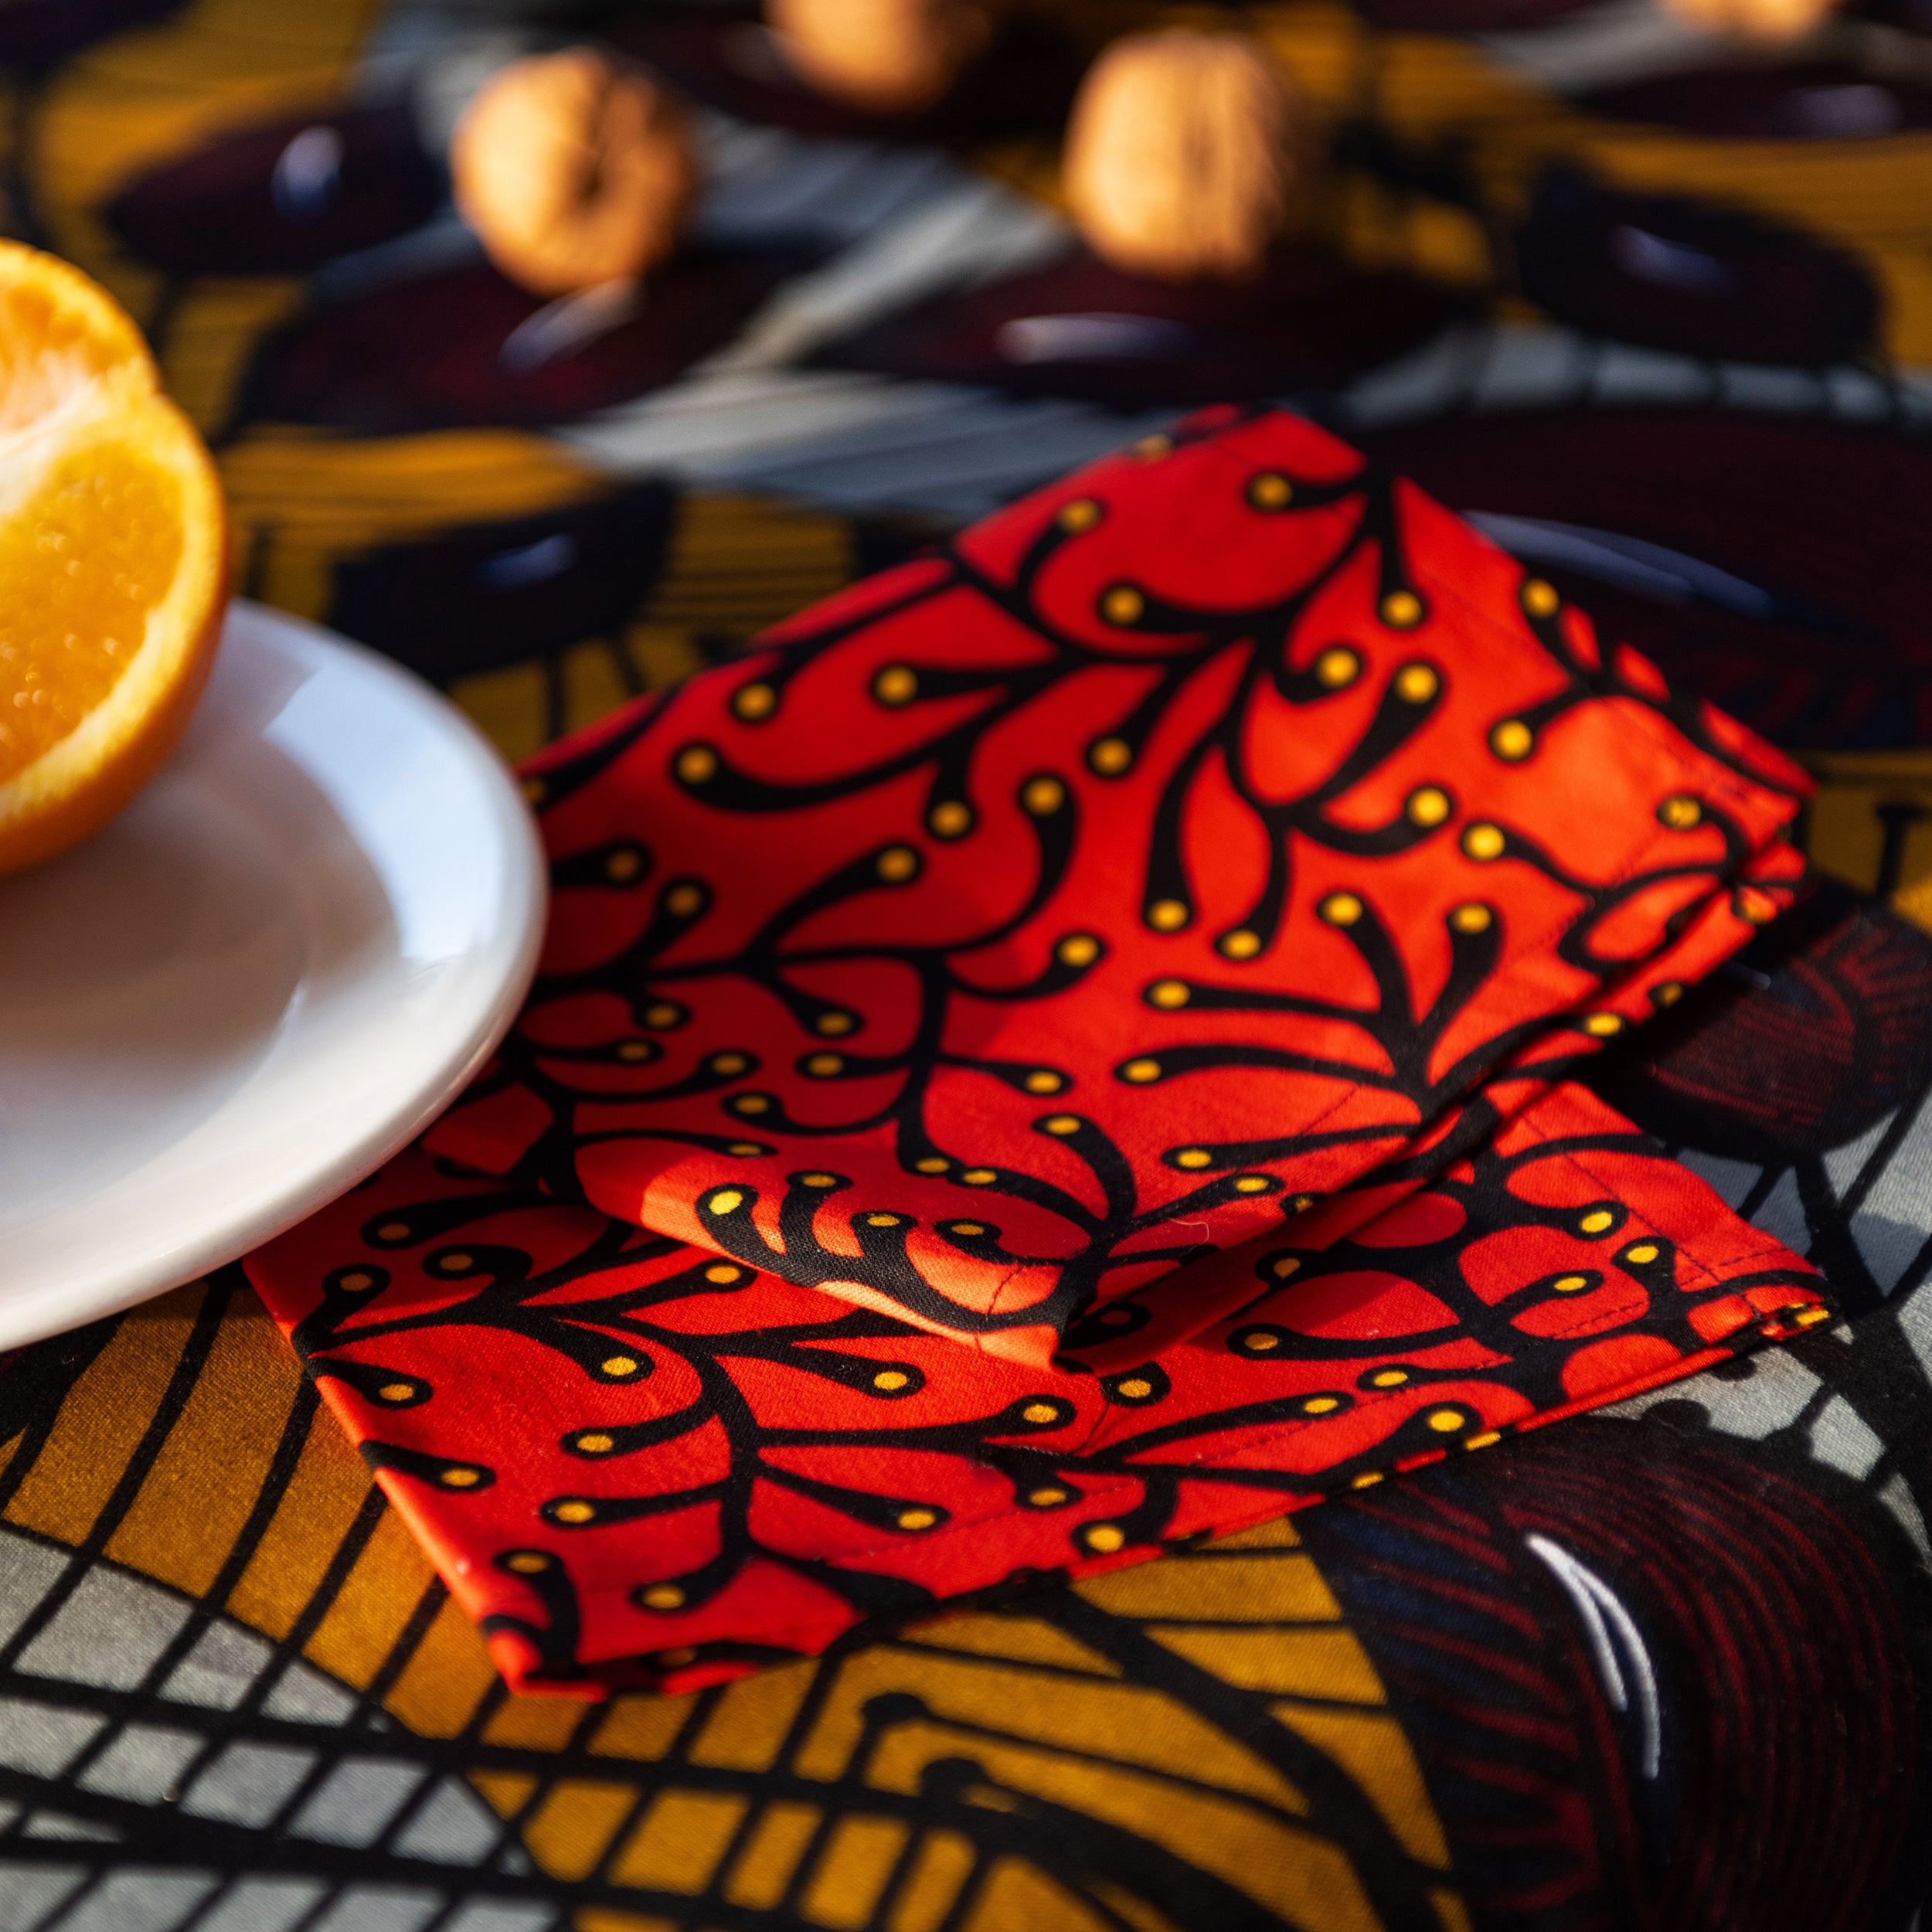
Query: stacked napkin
[{"x": 1066, "y": 1047}]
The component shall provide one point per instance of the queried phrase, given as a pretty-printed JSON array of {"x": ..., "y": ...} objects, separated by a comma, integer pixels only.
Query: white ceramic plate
[{"x": 257, "y": 983}]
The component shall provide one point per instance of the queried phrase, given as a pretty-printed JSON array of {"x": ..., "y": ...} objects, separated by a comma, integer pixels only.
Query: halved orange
[{"x": 113, "y": 559}]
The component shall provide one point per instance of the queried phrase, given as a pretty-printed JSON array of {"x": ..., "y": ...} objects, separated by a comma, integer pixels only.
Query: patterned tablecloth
[{"x": 1664, "y": 1666}]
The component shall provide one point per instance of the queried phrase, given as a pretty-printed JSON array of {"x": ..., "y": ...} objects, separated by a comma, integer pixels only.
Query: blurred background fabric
[{"x": 1658, "y": 316}]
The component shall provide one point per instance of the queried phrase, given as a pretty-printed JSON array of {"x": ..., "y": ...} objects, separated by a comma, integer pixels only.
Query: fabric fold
[
  {"x": 638, "y": 1463},
  {"x": 1066, "y": 1048}
]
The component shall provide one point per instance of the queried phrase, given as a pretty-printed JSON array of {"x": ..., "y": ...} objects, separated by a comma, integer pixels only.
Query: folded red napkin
[{"x": 1144, "y": 944}]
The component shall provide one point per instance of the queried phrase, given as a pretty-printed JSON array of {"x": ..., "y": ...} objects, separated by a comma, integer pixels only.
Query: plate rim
[{"x": 524, "y": 901}]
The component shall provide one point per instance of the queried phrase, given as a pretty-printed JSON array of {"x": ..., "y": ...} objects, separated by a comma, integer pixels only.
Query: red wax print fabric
[
  {"x": 1183, "y": 845},
  {"x": 1065, "y": 1050},
  {"x": 635, "y": 1463}
]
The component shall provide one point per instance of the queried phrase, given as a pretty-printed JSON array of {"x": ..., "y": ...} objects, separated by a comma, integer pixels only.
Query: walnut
[
  {"x": 887, "y": 56},
  {"x": 574, "y": 169},
  {"x": 1753, "y": 19},
  {"x": 1188, "y": 155}
]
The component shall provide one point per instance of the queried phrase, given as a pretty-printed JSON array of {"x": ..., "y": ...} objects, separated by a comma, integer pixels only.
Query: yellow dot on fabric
[
  {"x": 967, "y": 1230},
  {"x": 1169, "y": 993},
  {"x": 1061, "y": 1124},
  {"x": 528, "y": 1562},
  {"x": 745, "y": 1150},
  {"x": 662, "y": 1014},
  {"x": 676, "y": 1659},
  {"x": 621, "y": 866},
  {"x": 1045, "y": 1499},
  {"x": 723, "y": 1273},
  {"x": 1401, "y": 610},
  {"x": 755, "y": 701},
  {"x": 1571, "y": 1284},
  {"x": 896, "y": 864},
  {"x": 1040, "y": 1412},
  {"x": 683, "y": 900},
  {"x": 1367, "y": 1480},
  {"x": 1643, "y": 1253},
  {"x": 980, "y": 1176},
  {"x": 1150, "y": 449},
  {"x": 1106, "y": 1537},
  {"x": 950, "y": 818},
  {"x": 696, "y": 763},
  {"x": 1166, "y": 915},
  {"x": 916, "y": 1518},
  {"x": 726, "y": 1201},
  {"x": 394, "y": 1231},
  {"x": 1484, "y": 842},
  {"x": 1428, "y": 805},
  {"x": 1540, "y": 599},
  {"x": 1340, "y": 909},
  {"x": 882, "y": 1220},
  {"x": 1041, "y": 1081},
  {"x": 1445, "y": 1420},
  {"x": 1240, "y": 943},
  {"x": 1043, "y": 796},
  {"x": 731, "y": 1065},
  {"x": 619, "y": 1364},
  {"x": 1287, "y": 1265},
  {"x": 1417, "y": 683},
  {"x": 596, "y": 1443},
  {"x": 574, "y": 1512},
  {"x": 460, "y": 1478},
  {"x": 1116, "y": 1315},
  {"x": 1123, "y": 604},
  {"x": 396, "y": 1391},
  {"x": 895, "y": 685},
  {"x": 1136, "y": 1388},
  {"x": 636, "y": 1050},
  {"x": 819, "y": 1180},
  {"x": 1603, "y": 1025},
  {"x": 1111, "y": 756},
  {"x": 1336, "y": 667},
  {"x": 1251, "y": 1184},
  {"x": 822, "y": 1066},
  {"x": 1488, "y": 1440},
  {"x": 1680, "y": 813},
  {"x": 1078, "y": 949},
  {"x": 1512, "y": 740},
  {"x": 1082, "y": 514},
  {"x": 1596, "y": 1221},
  {"x": 1810, "y": 1318},
  {"x": 663, "y": 1597},
  {"x": 1270, "y": 490},
  {"x": 450, "y": 1263},
  {"x": 1320, "y": 1406},
  {"x": 1389, "y": 1378},
  {"x": 1140, "y": 1072},
  {"x": 1668, "y": 994},
  {"x": 1758, "y": 910},
  {"x": 358, "y": 1279},
  {"x": 933, "y": 1164},
  {"x": 1193, "y": 1157},
  {"x": 1263, "y": 1344},
  {"x": 890, "y": 1379},
  {"x": 1302, "y": 1202},
  {"x": 833, "y": 1023},
  {"x": 1472, "y": 918}
]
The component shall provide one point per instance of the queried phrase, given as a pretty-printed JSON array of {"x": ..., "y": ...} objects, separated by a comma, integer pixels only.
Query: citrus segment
[{"x": 112, "y": 559}]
